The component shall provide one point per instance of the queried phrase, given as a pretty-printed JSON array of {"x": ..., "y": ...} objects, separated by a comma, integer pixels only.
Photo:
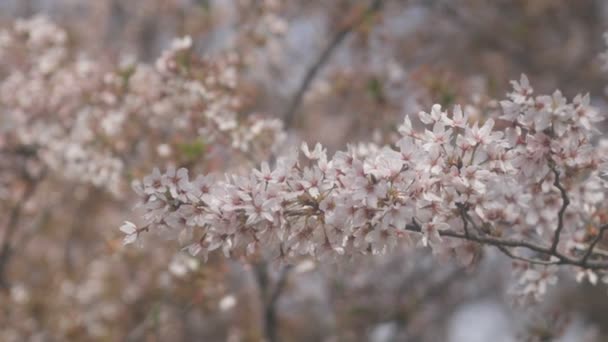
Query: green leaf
[
  {"x": 374, "y": 86},
  {"x": 193, "y": 150}
]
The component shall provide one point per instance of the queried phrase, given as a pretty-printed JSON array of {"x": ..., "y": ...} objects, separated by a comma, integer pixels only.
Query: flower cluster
[
  {"x": 537, "y": 180},
  {"x": 84, "y": 117},
  {"x": 79, "y": 126}
]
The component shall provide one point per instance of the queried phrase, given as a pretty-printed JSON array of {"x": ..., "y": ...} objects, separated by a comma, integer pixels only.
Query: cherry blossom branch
[
  {"x": 466, "y": 219},
  {"x": 514, "y": 256},
  {"x": 370, "y": 202},
  {"x": 502, "y": 244}
]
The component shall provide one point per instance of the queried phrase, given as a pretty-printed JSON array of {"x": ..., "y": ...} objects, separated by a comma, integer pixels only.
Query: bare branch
[
  {"x": 280, "y": 286},
  {"x": 502, "y": 244},
  {"x": 562, "y": 210},
  {"x": 11, "y": 228},
  {"x": 514, "y": 256},
  {"x": 597, "y": 239},
  {"x": 323, "y": 58},
  {"x": 464, "y": 216},
  {"x": 270, "y": 298}
]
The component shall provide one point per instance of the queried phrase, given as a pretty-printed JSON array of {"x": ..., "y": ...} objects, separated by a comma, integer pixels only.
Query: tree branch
[
  {"x": 323, "y": 58},
  {"x": 503, "y": 244},
  {"x": 597, "y": 239},
  {"x": 11, "y": 228},
  {"x": 270, "y": 298},
  {"x": 562, "y": 210}
]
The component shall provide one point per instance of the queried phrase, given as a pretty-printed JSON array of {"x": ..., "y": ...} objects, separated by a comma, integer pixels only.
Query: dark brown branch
[
  {"x": 466, "y": 218},
  {"x": 552, "y": 251},
  {"x": 323, "y": 58},
  {"x": 597, "y": 239},
  {"x": 562, "y": 210},
  {"x": 11, "y": 228},
  {"x": 463, "y": 214},
  {"x": 485, "y": 37},
  {"x": 514, "y": 256},
  {"x": 270, "y": 311},
  {"x": 502, "y": 244},
  {"x": 280, "y": 286},
  {"x": 270, "y": 298}
]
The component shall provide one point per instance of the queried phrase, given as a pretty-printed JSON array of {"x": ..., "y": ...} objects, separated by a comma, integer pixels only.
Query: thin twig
[
  {"x": 486, "y": 38},
  {"x": 561, "y": 259},
  {"x": 270, "y": 298},
  {"x": 11, "y": 228},
  {"x": 514, "y": 256},
  {"x": 466, "y": 218},
  {"x": 270, "y": 310},
  {"x": 280, "y": 286},
  {"x": 562, "y": 210},
  {"x": 465, "y": 221},
  {"x": 323, "y": 58},
  {"x": 597, "y": 239}
]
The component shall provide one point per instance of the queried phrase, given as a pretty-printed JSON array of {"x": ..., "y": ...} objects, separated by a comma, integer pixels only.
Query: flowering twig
[
  {"x": 418, "y": 192},
  {"x": 502, "y": 244}
]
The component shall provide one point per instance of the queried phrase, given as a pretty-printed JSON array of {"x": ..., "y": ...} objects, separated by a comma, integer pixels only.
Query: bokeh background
[{"x": 337, "y": 72}]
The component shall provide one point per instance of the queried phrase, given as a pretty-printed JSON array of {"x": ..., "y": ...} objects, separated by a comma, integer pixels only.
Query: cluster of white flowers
[
  {"x": 69, "y": 122},
  {"x": 532, "y": 189},
  {"x": 85, "y": 117}
]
